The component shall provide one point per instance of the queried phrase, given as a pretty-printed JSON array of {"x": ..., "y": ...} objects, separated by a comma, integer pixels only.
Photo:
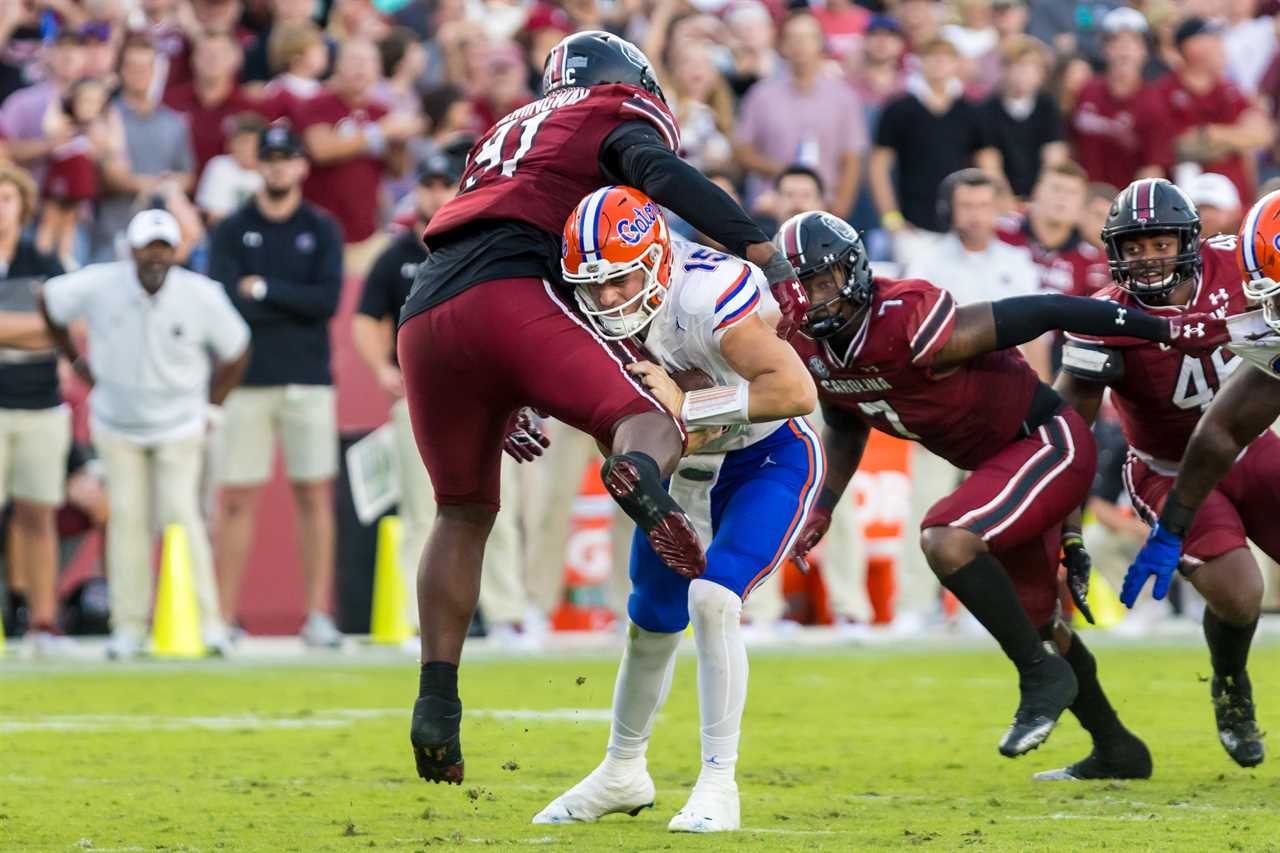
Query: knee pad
[{"x": 712, "y": 604}]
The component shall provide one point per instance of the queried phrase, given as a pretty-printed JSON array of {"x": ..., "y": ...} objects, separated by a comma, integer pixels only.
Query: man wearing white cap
[
  {"x": 1218, "y": 201},
  {"x": 153, "y": 327}
]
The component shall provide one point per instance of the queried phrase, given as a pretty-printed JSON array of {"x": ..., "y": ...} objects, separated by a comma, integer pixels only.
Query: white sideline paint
[{"x": 329, "y": 718}]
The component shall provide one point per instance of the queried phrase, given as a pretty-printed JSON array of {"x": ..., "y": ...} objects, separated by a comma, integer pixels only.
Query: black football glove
[
  {"x": 1079, "y": 564},
  {"x": 526, "y": 441}
]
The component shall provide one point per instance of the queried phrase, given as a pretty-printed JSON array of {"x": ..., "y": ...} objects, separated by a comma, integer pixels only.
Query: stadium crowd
[{"x": 300, "y": 147}]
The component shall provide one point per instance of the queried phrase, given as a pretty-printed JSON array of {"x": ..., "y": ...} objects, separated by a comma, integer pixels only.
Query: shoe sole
[
  {"x": 442, "y": 763},
  {"x": 1029, "y": 742},
  {"x": 669, "y": 531},
  {"x": 628, "y": 812}
]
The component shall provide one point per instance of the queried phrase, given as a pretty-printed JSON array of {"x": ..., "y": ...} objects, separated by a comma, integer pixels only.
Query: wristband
[
  {"x": 1070, "y": 540},
  {"x": 374, "y": 139},
  {"x": 1176, "y": 516},
  {"x": 893, "y": 220},
  {"x": 724, "y": 405},
  {"x": 778, "y": 269}
]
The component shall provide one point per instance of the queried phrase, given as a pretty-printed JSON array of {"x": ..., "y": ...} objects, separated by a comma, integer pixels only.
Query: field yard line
[{"x": 320, "y": 719}]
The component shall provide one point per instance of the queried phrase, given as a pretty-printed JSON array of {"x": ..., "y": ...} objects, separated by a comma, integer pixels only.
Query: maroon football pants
[{"x": 471, "y": 362}]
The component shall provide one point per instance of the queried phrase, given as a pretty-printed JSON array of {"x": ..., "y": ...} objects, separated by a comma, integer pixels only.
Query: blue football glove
[{"x": 1158, "y": 557}]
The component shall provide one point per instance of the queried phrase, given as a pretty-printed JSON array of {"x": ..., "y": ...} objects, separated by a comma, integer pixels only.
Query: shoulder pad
[{"x": 1092, "y": 362}]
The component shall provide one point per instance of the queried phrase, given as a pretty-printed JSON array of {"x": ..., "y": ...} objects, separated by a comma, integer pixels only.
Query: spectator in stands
[
  {"x": 353, "y": 141},
  {"x": 1218, "y": 202},
  {"x": 232, "y": 178},
  {"x": 72, "y": 177},
  {"x": 403, "y": 61},
  {"x": 1113, "y": 114},
  {"x": 502, "y": 85},
  {"x": 299, "y": 56},
  {"x": 751, "y": 36},
  {"x": 101, "y": 51},
  {"x": 877, "y": 72},
  {"x": 796, "y": 190},
  {"x": 258, "y": 65},
  {"x": 803, "y": 116},
  {"x": 1050, "y": 231},
  {"x": 927, "y": 133},
  {"x": 22, "y": 114},
  {"x": 153, "y": 385},
  {"x": 280, "y": 260},
  {"x": 977, "y": 42},
  {"x": 213, "y": 98},
  {"x": 35, "y": 427},
  {"x": 1097, "y": 207},
  {"x": 1250, "y": 43},
  {"x": 1206, "y": 121},
  {"x": 1023, "y": 117},
  {"x": 157, "y": 150},
  {"x": 702, "y": 103},
  {"x": 921, "y": 22}
]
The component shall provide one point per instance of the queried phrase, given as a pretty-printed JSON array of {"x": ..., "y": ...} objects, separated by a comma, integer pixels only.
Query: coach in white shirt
[{"x": 165, "y": 343}]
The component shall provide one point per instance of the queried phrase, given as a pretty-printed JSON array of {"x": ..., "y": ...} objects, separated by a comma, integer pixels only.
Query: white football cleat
[
  {"x": 604, "y": 791},
  {"x": 712, "y": 807}
]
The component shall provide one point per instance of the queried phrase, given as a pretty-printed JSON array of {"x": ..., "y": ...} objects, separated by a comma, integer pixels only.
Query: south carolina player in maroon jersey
[
  {"x": 484, "y": 332},
  {"x": 901, "y": 357},
  {"x": 1159, "y": 263}
]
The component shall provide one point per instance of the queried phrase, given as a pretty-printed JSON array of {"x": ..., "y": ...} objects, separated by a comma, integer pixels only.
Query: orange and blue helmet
[
  {"x": 613, "y": 232},
  {"x": 1259, "y": 256}
]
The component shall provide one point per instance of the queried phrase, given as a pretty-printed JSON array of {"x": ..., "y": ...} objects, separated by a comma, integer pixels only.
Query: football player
[
  {"x": 1227, "y": 486},
  {"x": 485, "y": 331},
  {"x": 748, "y": 487},
  {"x": 901, "y": 357}
]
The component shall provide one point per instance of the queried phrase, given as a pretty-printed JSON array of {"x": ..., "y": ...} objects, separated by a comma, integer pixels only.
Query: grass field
[{"x": 856, "y": 750}]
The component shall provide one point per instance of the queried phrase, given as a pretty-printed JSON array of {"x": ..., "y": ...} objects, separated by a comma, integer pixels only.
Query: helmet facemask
[
  {"x": 824, "y": 319},
  {"x": 1168, "y": 272},
  {"x": 632, "y": 316},
  {"x": 1266, "y": 293}
]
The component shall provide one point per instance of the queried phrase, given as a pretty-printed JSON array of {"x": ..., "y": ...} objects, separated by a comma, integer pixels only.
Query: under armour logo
[
  {"x": 1120, "y": 315},
  {"x": 1220, "y": 295},
  {"x": 1195, "y": 330}
]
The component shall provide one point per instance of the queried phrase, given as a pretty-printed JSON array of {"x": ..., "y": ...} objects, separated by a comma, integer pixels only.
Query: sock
[
  {"x": 983, "y": 586},
  {"x": 440, "y": 679},
  {"x": 1092, "y": 708},
  {"x": 644, "y": 680},
  {"x": 1228, "y": 644},
  {"x": 722, "y": 674}
]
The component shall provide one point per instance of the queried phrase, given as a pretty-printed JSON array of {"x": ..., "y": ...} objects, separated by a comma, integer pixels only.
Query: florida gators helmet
[
  {"x": 613, "y": 232},
  {"x": 1259, "y": 256}
]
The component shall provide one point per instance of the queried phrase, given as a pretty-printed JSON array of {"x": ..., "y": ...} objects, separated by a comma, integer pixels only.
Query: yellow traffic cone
[
  {"x": 388, "y": 622},
  {"x": 175, "y": 632},
  {"x": 1, "y": 634}
]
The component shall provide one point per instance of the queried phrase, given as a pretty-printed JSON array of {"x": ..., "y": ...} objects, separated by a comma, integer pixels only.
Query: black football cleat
[
  {"x": 437, "y": 749},
  {"x": 1048, "y": 688},
  {"x": 1237, "y": 723},
  {"x": 635, "y": 484},
  {"x": 1122, "y": 757}
]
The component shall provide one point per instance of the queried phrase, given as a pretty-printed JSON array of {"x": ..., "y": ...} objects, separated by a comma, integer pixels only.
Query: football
[{"x": 692, "y": 379}]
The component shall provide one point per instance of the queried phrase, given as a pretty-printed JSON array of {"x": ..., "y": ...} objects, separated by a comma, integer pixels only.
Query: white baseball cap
[
  {"x": 1214, "y": 190},
  {"x": 153, "y": 226},
  {"x": 1124, "y": 19}
]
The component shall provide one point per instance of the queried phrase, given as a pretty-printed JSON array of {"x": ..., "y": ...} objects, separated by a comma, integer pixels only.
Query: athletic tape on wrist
[
  {"x": 723, "y": 405},
  {"x": 1176, "y": 517}
]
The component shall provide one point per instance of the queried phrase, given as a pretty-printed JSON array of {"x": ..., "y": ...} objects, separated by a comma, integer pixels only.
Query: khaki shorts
[
  {"x": 33, "y": 454},
  {"x": 306, "y": 418}
]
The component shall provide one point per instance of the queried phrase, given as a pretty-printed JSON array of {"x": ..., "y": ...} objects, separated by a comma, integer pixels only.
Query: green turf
[{"x": 853, "y": 751}]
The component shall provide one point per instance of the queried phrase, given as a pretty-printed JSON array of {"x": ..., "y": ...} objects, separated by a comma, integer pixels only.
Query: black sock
[
  {"x": 1092, "y": 708},
  {"x": 440, "y": 679},
  {"x": 1228, "y": 644},
  {"x": 983, "y": 586}
]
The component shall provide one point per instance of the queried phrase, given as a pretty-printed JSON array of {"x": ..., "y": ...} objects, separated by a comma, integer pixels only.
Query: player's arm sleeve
[
  {"x": 637, "y": 155},
  {"x": 1093, "y": 362},
  {"x": 1019, "y": 319},
  {"x": 737, "y": 302}
]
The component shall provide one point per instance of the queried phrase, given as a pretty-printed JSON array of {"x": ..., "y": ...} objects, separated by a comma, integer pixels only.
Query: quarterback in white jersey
[{"x": 749, "y": 480}]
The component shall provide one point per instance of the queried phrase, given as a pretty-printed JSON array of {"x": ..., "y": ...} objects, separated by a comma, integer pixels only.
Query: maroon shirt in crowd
[
  {"x": 347, "y": 188},
  {"x": 1075, "y": 268},
  {"x": 1181, "y": 110},
  {"x": 1108, "y": 134},
  {"x": 210, "y": 124}
]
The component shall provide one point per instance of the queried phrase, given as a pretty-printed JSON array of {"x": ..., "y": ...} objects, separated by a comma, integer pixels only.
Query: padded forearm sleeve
[{"x": 1020, "y": 319}]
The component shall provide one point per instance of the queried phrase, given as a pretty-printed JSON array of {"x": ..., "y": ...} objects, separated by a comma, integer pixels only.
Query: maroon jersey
[
  {"x": 965, "y": 414},
  {"x": 1107, "y": 132},
  {"x": 537, "y": 163},
  {"x": 1161, "y": 392},
  {"x": 1075, "y": 268},
  {"x": 346, "y": 188}
]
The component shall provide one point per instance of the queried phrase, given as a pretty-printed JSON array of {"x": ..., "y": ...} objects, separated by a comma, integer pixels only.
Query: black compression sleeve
[
  {"x": 1024, "y": 318},
  {"x": 636, "y": 155}
]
